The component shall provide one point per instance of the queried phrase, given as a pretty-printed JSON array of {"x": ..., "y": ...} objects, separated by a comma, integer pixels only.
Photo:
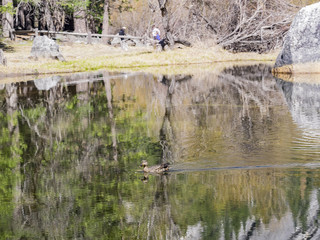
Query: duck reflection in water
[
  {"x": 164, "y": 167},
  {"x": 160, "y": 169}
]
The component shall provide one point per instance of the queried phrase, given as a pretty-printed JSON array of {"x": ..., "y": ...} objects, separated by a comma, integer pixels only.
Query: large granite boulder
[
  {"x": 302, "y": 42},
  {"x": 44, "y": 47},
  {"x": 3, "y": 60}
]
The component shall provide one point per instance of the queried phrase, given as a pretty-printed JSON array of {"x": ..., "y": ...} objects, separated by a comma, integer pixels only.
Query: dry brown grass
[
  {"x": 83, "y": 57},
  {"x": 308, "y": 72}
]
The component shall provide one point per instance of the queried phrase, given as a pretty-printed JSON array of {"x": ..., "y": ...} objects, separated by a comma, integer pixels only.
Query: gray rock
[
  {"x": 302, "y": 41},
  {"x": 116, "y": 41},
  {"x": 3, "y": 60},
  {"x": 44, "y": 47},
  {"x": 138, "y": 43}
]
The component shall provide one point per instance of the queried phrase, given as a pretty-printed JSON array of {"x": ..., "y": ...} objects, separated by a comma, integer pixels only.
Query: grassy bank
[{"x": 83, "y": 57}]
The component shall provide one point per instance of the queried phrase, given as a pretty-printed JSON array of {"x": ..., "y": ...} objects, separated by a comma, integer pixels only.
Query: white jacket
[{"x": 155, "y": 32}]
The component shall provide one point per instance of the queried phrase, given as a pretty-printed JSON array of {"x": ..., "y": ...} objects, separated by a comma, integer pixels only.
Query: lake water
[{"x": 244, "y": 149}]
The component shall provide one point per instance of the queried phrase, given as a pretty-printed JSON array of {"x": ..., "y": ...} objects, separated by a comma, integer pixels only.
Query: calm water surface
[{"x": 244, "y": 149}]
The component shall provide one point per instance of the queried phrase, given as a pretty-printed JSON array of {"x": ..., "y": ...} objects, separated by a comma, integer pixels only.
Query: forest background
[{"x": 237, "y": 25}]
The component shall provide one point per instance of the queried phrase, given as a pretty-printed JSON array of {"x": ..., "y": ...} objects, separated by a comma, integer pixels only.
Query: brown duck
[{"x": 164, "y": 167}]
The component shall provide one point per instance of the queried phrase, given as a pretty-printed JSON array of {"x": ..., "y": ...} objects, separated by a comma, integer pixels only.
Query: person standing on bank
[
  {"x": 123, "y": 44},
  {"x": 122, "y": 32},
  {"x": 156, "y": 33}
]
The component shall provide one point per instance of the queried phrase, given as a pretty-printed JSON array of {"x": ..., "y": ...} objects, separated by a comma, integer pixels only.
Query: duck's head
[{"x": 144, "y": 163}]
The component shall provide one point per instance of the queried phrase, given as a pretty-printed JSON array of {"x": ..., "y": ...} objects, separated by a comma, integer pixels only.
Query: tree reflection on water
[{"x": 71, "y": 147}]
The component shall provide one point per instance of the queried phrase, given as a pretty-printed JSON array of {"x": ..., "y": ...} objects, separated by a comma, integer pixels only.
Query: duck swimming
[{"x": 164, "y": 167}]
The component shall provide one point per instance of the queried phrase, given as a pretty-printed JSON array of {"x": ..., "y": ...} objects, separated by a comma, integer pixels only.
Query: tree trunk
[
  {"x": 23, "y": 16},
  {"x": 28, "y": 21},
  {"x": 163, "y": 4},
  {"x": 48, "y": 17},
  {"x": 20, "y": 18},
  {"x": 7, "y": 21},
  {"x": 79, "y": 16},
  {"x": 105, "y": 24},
  {"x": 59, "y": 18},
  {"x": 36, "y": 17}
]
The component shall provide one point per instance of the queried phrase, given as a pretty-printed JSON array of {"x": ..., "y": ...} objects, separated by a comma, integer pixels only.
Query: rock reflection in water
[
  {"x": 70, "y": 150},
  {"x": 304, "y": 104}
]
